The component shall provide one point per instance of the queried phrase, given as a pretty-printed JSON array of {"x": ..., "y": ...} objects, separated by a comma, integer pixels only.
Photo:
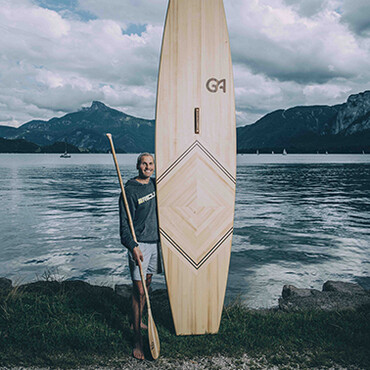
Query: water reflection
[
  {"x": 299, "y": 224},
  {"x": 296, "y": 223}
]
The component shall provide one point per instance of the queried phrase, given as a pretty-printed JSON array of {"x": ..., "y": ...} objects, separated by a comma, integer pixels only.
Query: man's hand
[{"x": 137, "y": 254}]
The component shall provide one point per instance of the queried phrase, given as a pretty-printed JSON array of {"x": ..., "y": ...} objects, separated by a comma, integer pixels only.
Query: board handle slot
[{"x": 196, "y": 120}]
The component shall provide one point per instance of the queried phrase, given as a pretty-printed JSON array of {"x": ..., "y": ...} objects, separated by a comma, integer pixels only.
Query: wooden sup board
[{"x": 196, "y": 161}]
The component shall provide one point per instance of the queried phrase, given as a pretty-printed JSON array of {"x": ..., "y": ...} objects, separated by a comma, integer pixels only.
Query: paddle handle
[{"x": 129, "y": 217}]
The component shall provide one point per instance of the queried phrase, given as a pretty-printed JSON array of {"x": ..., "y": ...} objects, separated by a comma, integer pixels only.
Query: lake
[{"x": 299, "y": 219}]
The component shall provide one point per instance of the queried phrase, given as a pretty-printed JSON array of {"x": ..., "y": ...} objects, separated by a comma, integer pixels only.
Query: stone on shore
[
  {"x": 335, "y": 296},
  {"x": 5, "y": 284},
  {"x": 123, "y": 290}
]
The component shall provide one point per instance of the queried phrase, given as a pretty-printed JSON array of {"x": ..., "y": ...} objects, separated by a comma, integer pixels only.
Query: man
[{"x": 141, "y": 198}]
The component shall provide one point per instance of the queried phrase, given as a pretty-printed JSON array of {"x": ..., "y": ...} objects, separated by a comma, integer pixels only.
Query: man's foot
[
  {"x": 142, "y": 326},
  {"x": 138, "y": 351}
]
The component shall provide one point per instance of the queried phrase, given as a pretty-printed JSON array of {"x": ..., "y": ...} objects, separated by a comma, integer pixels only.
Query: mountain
[
  {"x": 59, "y": 147},
  {"x": 343, "y": 128},
  {"x": 7, "y": 131},
  {"x": 87, "y": 128},
  {"x": 340, "y": 128},
  {"x": 17, "y": 146},
  {"x": 354, "y": 116},
  {"x": 24, "y": 146}
]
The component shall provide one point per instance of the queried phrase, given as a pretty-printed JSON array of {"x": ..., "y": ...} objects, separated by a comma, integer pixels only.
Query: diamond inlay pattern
[{"x": 197, "y": 219}]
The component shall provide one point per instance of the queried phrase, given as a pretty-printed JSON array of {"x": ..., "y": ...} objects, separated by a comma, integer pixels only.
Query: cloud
[
  {"x": 291, "y": 52},
  {"x": 329, "y": 92},
  {"x": 128, "y": 11},
  {"x": 357, "y": 15},
  {"x": 68, "y": 9},
  {"x": 58, "y": 56},
  {"x": 306, "y": 8},
  {"x": 272, "y": 39},
  {"x": 56, "y": 64},
  {"x": 63, "y": 98},
  {"x": 257, "y": 94}
]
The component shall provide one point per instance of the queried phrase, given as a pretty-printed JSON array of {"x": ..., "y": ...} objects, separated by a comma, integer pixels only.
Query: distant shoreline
[{"x": 276, "y": 153}]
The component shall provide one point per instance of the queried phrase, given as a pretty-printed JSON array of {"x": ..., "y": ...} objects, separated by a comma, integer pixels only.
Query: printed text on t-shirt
[{"x": 146, "y": 198}]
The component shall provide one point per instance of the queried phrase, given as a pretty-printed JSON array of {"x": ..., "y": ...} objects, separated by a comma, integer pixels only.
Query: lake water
[{"x": 299, "y": 219}]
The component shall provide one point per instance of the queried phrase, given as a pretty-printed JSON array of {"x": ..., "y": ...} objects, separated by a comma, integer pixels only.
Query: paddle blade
[{"x": 154, "y": 344}]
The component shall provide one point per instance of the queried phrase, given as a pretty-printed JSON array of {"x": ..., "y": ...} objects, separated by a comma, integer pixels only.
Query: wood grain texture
[{"x": 196, "y": 171}]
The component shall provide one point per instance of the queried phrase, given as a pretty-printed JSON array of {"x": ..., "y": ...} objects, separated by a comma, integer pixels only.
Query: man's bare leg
[
  {"x": 138, "y": 303},
  {"x": 137, "y": 310},
  {"x": 142, "y": 326}
]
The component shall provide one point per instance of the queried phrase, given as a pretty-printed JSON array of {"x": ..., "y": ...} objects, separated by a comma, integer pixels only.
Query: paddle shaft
[{"x": 129, "y": 218}]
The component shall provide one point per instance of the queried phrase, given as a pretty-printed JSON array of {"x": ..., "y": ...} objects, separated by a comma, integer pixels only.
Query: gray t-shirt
[{"x": 142, "y": 202}]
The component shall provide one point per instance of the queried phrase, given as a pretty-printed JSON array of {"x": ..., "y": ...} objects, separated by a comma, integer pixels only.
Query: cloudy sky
[{"x": 59, "y": 55}]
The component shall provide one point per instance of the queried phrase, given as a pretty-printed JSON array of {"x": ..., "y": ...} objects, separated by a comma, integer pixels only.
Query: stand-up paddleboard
[{"x": 196, "y": 161}]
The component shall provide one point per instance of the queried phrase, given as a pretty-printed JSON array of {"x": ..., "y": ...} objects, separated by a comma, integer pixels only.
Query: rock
[
  {"x": 354, "y": 115},
  {"x": 44, "y": 287},
  {"x": 160, "y": 297},
  {"x": 5, "y": 284},
  {"x": 342, "y": 287},
  {"x": 292, "y": 291},
  {"x": 335, "y": 296},
  {"x": 123, "y": 290}
]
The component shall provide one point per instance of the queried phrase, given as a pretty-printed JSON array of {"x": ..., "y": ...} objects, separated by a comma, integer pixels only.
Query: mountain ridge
[
  {"x": 302, "y": 129},
  {"x": 86, "y": 129},
  {"x": 307, "y": 129}
]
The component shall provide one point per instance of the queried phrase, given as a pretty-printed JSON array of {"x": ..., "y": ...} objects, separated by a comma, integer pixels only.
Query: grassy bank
[{"x": 73, "y": 324}]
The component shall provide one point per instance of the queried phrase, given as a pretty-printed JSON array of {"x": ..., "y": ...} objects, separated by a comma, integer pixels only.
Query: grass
[{"x": 72, "y": 324}]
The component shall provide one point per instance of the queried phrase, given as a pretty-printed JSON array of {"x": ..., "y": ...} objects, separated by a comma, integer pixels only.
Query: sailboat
[
  {"x": 284, "y": 152},
  {"x": 65, "y": 155}
]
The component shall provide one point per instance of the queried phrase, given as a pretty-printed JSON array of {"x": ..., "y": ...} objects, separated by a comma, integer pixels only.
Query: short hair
[{"x": 138, "y": 162}]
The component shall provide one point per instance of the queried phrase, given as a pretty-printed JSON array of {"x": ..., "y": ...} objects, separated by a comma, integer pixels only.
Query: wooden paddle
[{"x": 154, "y": 344}]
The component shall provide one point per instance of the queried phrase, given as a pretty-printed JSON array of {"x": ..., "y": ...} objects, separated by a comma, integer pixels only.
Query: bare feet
[
  {"x": 142, "y": 326},
  {"x": 138, "y": 351}
]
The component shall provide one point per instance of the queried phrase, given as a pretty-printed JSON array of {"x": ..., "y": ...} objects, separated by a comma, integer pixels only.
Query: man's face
[{"x": 146, "y": 167}]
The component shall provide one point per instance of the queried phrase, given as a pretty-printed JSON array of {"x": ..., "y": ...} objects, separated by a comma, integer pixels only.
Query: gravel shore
[{"x": 216, "y": 362}]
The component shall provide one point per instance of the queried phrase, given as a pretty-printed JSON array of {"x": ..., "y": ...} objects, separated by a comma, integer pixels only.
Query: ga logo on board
[{"x": 213, "y": 85}]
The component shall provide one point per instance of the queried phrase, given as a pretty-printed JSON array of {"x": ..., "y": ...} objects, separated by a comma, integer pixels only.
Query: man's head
[{"x": 145, "y": 165}]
